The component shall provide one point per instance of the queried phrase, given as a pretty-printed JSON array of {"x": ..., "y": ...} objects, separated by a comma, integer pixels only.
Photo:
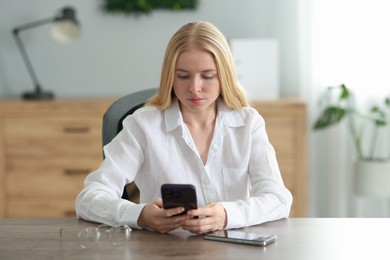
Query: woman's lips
[{"x": 195, "y": 100}]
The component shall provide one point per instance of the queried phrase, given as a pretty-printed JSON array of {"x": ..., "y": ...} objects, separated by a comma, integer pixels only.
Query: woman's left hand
[{"x": 209, "y": 218}]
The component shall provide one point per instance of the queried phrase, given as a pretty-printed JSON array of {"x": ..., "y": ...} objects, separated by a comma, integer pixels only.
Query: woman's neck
[{"x": 200, "y": 119}]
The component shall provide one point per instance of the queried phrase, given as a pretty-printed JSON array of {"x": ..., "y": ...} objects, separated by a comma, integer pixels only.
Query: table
[{"x": 299, "y": 238}]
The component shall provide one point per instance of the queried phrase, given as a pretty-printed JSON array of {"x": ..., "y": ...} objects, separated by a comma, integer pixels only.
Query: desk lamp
[{"x": 65, "y": 29}]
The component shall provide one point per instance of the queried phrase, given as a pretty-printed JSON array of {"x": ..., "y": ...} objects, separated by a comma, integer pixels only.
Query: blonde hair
[{"x": 205, "y": 36}]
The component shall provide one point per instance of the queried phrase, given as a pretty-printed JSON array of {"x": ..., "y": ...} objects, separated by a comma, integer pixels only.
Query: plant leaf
[
  {"x": 344, "y": 92},
  {"x": 379, "y": 116},
  {"x": 377, "y": 110},
  {"x": 330, "y": 116}
]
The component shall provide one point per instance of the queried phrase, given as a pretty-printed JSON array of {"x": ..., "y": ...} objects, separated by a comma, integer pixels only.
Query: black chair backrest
[{"x": 120, "y": 109}]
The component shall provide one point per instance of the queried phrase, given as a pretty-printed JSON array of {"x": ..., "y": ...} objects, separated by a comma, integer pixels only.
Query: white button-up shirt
[{"x": 156, "y": 147}]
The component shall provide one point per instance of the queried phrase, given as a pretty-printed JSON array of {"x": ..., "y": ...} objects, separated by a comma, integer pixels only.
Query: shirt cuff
[
  {"x": 235, "y": 218},
  {"x": 131, "y": 214}
]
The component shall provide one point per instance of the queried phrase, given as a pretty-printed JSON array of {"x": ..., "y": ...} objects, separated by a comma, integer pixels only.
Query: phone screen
[
  {"x": 241, "y": 237},
  {"x": 179, "y": 195}
]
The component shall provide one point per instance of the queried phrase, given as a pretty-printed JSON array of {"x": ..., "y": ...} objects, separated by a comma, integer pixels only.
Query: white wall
[{"x": 119, "y": 54}]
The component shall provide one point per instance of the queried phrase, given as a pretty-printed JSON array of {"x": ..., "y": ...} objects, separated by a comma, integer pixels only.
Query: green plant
[
  {"x": 146, "y": 6},
  {"x": 343, "y": 107}
]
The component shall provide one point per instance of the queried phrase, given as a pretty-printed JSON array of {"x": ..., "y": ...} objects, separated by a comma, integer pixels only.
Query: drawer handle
[
  {"x": 76, "y": 130},
  {"x": 72, "y": 172},
  {"x": 70, "y": 213}
]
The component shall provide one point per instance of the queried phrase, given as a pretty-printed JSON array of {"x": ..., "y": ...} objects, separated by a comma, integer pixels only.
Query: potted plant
[{"x": 372, "y": 172}]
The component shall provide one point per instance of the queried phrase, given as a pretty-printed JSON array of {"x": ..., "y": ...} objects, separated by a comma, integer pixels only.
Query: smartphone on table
[
  {"x": 241, "y": 237},
  {"x": 179, "y": 195}
]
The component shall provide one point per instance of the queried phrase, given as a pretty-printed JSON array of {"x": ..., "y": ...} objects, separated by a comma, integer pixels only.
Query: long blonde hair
[{"x": 205, "y": 36}]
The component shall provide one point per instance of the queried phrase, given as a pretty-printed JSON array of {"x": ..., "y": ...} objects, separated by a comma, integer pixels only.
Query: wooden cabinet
[
  {"x": 48, "y": 147},
  {"x": 285, "y": 122}
]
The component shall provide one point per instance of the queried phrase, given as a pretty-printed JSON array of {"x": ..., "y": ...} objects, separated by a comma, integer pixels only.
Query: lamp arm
[
  {"x": 33, "y": 24},
  {"x": 27, "y": 61},
  {"x": 22, "y": 50}
]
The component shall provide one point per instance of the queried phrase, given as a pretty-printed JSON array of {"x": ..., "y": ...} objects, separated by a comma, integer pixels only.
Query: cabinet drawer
[
  {"x": 42, "y": 207},
  {"x": 38, "y": 136},
  {"x": 57, "y": 176},
  {"x": 52, "y": 127}
]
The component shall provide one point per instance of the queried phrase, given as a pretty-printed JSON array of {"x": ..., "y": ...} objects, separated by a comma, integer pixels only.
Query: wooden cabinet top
[
  {"x": 58, "y": 105},
  {"x": 70, "y": 104}
]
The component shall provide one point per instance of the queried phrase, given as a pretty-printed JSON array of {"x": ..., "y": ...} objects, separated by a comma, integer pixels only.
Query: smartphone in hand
[{"x": 179, "y": 195}]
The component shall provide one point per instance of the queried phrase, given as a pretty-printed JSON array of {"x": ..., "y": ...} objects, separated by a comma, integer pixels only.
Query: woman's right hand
[{"x": 155, "y": 217}]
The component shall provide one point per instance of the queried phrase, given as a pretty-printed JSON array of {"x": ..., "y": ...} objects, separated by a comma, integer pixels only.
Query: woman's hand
[
  {"x": 210, "y": 218},
  {"x": 155, "y": 217}
]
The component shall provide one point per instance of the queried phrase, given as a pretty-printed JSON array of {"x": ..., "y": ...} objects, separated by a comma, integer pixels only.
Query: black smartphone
[
  {"x": 179, "y": 195},
  {"x": 241, "y": 237}
]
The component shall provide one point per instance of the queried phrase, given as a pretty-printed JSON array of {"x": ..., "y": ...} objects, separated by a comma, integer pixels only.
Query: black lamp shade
[{"x": 67, "y": 13}]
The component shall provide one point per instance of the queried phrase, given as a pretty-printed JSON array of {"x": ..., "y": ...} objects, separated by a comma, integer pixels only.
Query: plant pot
[{"x": 372, "y": 178}]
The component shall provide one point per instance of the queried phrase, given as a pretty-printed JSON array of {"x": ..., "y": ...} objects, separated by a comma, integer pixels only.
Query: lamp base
[{"x": 37, "y": 95}]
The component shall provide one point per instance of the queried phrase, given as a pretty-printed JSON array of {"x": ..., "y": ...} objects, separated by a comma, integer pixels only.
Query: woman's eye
[
  {"x": 208, "y": 76},
  {"x": 183, "y": 76}
]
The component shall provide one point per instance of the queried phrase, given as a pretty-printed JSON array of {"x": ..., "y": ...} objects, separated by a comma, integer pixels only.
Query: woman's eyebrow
[
  {"x": 181, "y": 70},
  {"x": 206, "y": 70}
]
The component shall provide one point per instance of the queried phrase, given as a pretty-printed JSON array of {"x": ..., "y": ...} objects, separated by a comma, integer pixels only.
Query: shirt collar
[
  {"x": 172, "y": 115},
  {"x": 226, "y": 116},
  {"x": 229, "y": 116}
]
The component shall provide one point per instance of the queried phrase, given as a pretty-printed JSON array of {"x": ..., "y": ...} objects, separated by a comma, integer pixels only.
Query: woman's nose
[{"x": 196, "y": 85}]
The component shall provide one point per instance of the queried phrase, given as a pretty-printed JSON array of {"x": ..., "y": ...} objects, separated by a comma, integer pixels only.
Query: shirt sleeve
[
  {"x": 269, "y": 199},
  {"x": 100, "y": 200}
]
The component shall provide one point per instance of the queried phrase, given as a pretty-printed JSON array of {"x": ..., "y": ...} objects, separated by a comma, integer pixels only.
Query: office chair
[{"x": 112, "y": 125}]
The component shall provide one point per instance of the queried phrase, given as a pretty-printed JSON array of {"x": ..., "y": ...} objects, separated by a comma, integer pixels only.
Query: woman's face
[{"x": 196, "y": 83}]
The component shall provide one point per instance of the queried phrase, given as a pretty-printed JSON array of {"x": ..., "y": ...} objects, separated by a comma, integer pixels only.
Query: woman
[{"x": 198, "y": 129}]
